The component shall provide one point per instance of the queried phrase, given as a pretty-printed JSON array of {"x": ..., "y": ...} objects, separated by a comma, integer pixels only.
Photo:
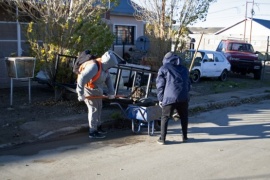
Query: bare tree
[
  {"x": 161, "y": 14},
  {"x": 61, "y": 18},
  {"x": 67, "y": 9},
  {"x": 63, "y": 27},
  {"x": 191, "y": 12}
]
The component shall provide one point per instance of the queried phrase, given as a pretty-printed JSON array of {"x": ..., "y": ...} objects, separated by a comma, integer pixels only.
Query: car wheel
[
  {"x": 195, "y": 76},
  {"x": 224, "y": 75},
  {"x": 257, "y": 75}
]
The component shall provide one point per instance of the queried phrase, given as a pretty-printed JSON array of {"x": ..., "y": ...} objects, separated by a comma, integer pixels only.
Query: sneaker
[
  {"x": 159, "y": 141},
  {"x": 101, "y": 131},
  {"x": 184, "y": 139},
  {"x": 96, "y": 135}
]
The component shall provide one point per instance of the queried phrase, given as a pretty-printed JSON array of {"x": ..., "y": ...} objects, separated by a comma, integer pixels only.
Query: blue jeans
[{"x": 167, "y": 112}]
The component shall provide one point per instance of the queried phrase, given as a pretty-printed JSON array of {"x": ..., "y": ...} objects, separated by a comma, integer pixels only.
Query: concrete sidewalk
[
  {"x": 45, "y": 130},
  {"x": 222, "y": 99}
]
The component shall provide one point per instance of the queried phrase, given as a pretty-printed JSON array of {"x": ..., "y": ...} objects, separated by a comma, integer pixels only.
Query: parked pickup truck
[{"x": 241, "y": 56}]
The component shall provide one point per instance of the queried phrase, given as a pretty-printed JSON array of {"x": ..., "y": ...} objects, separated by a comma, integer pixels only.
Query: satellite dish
[{"x": 142, "y": 43}]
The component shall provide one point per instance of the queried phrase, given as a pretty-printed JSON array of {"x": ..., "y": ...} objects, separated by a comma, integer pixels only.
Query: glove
[
  {"x": 111, "y": 96},
  {"x": 160, "y": 104},
  {"x": 81, "y": 98}
]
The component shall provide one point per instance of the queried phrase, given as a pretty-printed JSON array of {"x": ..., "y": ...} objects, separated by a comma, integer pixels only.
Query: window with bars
[{"x": 124, "y": 35}]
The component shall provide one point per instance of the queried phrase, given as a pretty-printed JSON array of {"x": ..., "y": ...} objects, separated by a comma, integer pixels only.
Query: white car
[{"x": 208, "y": 64}]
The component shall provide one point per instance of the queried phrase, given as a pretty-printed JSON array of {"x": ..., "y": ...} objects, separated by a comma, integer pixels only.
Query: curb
[
  {"x": 201, "y": 107},
  {"x": 231, "y": 100},
  {"x": 70, "y": 130},
  {"x": 63, "y": 131}
]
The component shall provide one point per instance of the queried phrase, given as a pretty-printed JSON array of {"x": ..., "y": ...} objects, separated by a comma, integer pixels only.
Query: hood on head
[
  {"x": 108, "y": 60},
  {"x": 172, "y": 58}
]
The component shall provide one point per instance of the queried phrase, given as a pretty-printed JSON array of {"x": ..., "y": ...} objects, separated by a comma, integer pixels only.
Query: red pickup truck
[{"x": 241, "y": 56}]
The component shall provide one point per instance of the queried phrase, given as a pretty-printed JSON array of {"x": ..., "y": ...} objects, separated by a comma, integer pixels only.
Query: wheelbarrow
[{"x": 144, "y": 113}]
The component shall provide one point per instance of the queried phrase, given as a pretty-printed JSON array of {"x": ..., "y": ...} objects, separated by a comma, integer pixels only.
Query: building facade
[
  {"x": 255, "y": 31},
  {"x": 120, "y": 19}
]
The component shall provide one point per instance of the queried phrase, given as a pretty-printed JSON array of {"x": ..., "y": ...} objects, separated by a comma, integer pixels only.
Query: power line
[
  {"x": 262, "y": 14},
  {"x": 235, "y": 7}
]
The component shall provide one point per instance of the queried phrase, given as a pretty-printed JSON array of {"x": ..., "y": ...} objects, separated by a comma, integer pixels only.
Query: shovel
[{"x": 105, "y": 97}]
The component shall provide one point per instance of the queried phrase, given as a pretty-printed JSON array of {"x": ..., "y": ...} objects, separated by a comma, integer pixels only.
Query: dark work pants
[{"x": 167, "y": 112}]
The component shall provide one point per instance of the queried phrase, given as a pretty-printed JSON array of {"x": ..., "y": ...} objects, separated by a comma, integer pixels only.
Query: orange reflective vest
[{"x": 82, "y": 67}]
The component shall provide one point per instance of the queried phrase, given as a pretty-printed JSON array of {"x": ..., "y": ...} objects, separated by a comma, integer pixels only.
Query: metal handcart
[{"x": 141, "y": 114}]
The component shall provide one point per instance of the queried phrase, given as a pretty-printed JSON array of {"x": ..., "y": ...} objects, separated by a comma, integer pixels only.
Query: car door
[
  {"x": 219, "y": 63},
  {"x": 208, "y": 66}
]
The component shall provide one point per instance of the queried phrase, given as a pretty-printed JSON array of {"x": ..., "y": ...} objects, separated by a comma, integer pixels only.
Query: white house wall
[
  {"x": 238, "y": 31},
  {"x": 210, "y": 42},
  {"x": 259, "y": 36},
  {"x": 126, "y": 21},
  {"x": 129, "y": 21},
  {"x": 256, "y": 29}
]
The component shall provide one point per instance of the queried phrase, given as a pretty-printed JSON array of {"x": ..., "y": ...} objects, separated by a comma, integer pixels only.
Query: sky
[{"x": 224, "y": 13}]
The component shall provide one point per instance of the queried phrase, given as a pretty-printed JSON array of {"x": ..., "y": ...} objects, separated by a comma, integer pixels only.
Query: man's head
[
  {"x": 172, "y": 58},
  {"x": 82, "y": 58}
]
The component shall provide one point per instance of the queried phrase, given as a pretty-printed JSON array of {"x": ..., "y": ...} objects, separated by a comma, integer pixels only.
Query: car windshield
[
  {"x": 189, "y": 55},
  {"x": 241, "y": 47}
]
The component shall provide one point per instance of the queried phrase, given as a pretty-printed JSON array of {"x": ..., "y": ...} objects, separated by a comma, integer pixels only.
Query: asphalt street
[{"x": 229, "y": 143}]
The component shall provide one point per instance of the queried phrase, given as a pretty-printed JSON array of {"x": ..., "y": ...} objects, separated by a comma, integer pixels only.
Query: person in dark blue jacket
[{"x": 173, "y": 86}]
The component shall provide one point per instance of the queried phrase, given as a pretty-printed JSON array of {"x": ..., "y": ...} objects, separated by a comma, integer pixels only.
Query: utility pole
[
  {"x": 245, "y": 23},
  {"x": 19, "y": 40},
  {"x": 252, "y": 12}
]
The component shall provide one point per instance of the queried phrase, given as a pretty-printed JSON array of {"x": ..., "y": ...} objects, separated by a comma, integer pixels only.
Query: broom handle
[{"x": 103, "y": 97}]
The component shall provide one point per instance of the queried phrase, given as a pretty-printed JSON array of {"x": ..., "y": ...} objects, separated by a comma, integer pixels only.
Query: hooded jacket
[
  {"x": 108, "y": 60},
  {"x": 173, "y": 83}
]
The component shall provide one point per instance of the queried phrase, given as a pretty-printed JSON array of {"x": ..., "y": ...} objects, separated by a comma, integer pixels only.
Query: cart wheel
[{"x": 136, "y": 126}]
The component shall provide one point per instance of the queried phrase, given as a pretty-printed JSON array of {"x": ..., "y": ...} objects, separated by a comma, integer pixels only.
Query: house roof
[
  {"x": 206, "y": 30},
  {"x": 263, "y": 22},
  {"x": 124, "y": 8}
]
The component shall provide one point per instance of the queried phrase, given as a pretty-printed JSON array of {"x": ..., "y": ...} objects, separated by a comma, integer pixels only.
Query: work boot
[
  {"x": 160, "y": 141},
  {"x": 96, "y": 135},
  {"x": 184, "y": 139},
  {"x": 101, "y": 131}
]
